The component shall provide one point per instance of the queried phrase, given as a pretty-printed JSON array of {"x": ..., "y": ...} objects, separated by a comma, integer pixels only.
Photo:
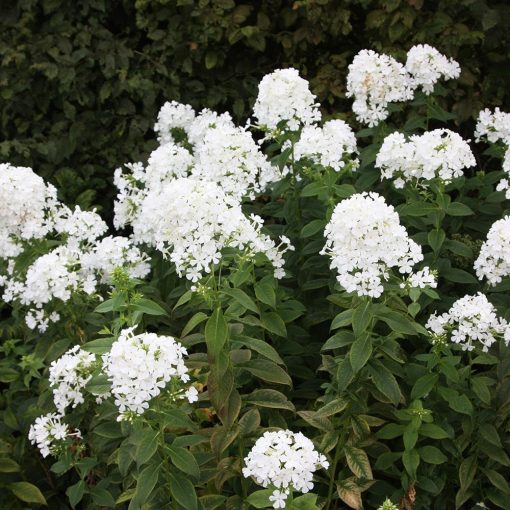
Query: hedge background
[{"x": 81, "y": 82}]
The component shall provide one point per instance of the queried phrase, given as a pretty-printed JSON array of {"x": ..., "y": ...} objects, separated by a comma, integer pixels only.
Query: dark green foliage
[{"x": 81, "y": 81}]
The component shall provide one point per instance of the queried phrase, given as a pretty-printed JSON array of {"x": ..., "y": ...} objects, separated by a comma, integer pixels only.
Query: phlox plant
[{"x": 306, "y": 312}]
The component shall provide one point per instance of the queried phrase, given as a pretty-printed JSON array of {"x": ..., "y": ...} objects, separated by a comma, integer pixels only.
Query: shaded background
[{"x": 81, "y": 82}]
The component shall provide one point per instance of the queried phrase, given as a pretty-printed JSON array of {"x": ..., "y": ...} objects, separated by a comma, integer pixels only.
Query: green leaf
[
  {"x": 273, "y": 323},
  {"x": 358, "y": 462},
  {"x": 313, "y": 189},
  {"x": 102, "y": 497},
  {"x": 433, "y": 431},
  {"x": 458, "y": 276},
  {"x": 333, "y": 407},
  {"x": 148, "y": 306},
  {"x": 8, "y": 465},
  {"x": 216, "y": 332},
  {"x": 481, "y": 390},
  {"x": 399, "y": 323},
  {"x": 243, "y": 299},
  {"x": 212, "y": 501},
  {"x": 262, "y": 348},
  {"x": 417, "y": 209},
  {"x": 361, "y": 318},
  {"x": 411, "y": 461},
  {"x": 146, "y": 482},
  {"x": 391, "y": 431},
  {"x": 182, "y": 491},
  {"x": 99, "y": 384},
  {"x": 184, "y": 460},
  {"x": 260, "y": 499},
  {"x": 99, "y": 346},
  {"x": 267, "y": 371},
  {"x": 109, "y": 430},
  {"x": 432, "y": 455},
  {"x": 197, "y": 319},
  {"x": 312, "y": 228},
  {"x": 436, "y": 239},
  {"x": 360, "y": 352},
  {"x": 342, "y": 319},
  {"x": 265, "y": 294},
  {"x": 75, "y": 493},
  {"x": 28, "y": 493},
  {"x": 424, "y": 385},
  {"x": 305, "y": 502},
  {"x": 338, "y": 340},
  {"x": 498, "y": 480},
  {"x": 105, "y": 306},
  {"x": 385, "y": 382},
  {"x": 269, "y": 398},
  {"x": 147, "y": 447},
  {"x": 458, "y": 209},
  {"x": 467, "y": 471}
]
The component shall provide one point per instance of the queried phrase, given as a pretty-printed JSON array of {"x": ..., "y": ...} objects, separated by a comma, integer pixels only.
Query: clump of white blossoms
[
  {"x": 420, "y": 279},
  {"x": 426, "y": 66},
  {"x": 79, "y": 226},
  {"x": 193, "y": 221},
  {"x": 330, "y": 145},
  {"x": 139, "y": 367},
  {"x": 68, "y": 376},
  {"x": 439, "y": 154},
  {"x": 115, "y": 252},
  {"x": 48, "y": 433},
  {"x": 365, "y": 239},
  {"x": 285, "y": 97},
  {"x": 26, "y": 207},
  {"x": 470, "y": 319},
  {"x": 173, "y": 115},
  {"x": 495, "y": 127},
  {"x": 283, "y": 460},
  {"x": 493, "y": 262},
  {"x": 375, "y": 80}
]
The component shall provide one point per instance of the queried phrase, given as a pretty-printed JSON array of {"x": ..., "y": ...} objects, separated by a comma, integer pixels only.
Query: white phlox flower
[
  {"x": 68, "y": 376},
  {"x": 421, "y": 279},
  {"x": 427, "y": 66},
  {"x": 48, "y": 433},
  {"x": 375, "y": 80},
  {"x": 471, "y": 321},
  {"x": 365, "y": 240},
  {"x": 27, "y": 205},
  {"x": 285, "y": 96},
  {"x": 139, "y": 368},
  {"x": 193, "y": 221},
  {"x": 439, "y": 154},
  {"x": 173, "y": 115},
  {"x": 283, "y": 460},
  {"x": 330, "y": 145},
  {"x": 493, "y": 262}
]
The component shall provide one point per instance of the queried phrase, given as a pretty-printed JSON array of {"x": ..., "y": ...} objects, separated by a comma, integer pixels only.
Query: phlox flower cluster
[
  {"x": 439, "y": 154},
  {"x": 68, "y": 376},
  {"x": 376, "y": 80},
  {"x": 139, "y": 367},
  {"x": 27, "y": 205},
  {"x": 173, "y": 115},
  {"x": 194, "y": 221},
  {"x": 365, "y": 240},
  {"x": 493, "y": 262},
  {"x": 48, "y": 432},
  {"x": 421, "y": 279},
  {"x": 329, "y": 145},
  {"x": 495, "y": 127},
  {"x": 426, "y": 66},
  {"x": 470, "y": 320},
  {"x": 283, "y": 460},
  {"x": 284, "y": 97}
]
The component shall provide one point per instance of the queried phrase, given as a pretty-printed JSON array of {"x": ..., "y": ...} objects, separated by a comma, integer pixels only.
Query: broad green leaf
[
  {"x": 436, "y": 239},
  {"x": 146, "y": 482},
  {"x": 265, "y": 294},
  {"x": 184, "y": 460},
  {"x": 269, "y": 398},
  {"x": 267, "y": 371},
  {"x": 8, "y": 465},
  {"x": 312, "y": 228},
  {"x": 333, "y": 407},
  {"x": 385, "y": 382},
  {"x": 260, "y": 499},
  {"x": 342, "y": 319},
  {"x": 467, "y": 471},
  {"x": 424, "y": 385},
  {"x": 273, "y": 323},
  {"x": 216, "y": 332},
  {"x": 30, "y": 493},
  {"x": 148, "y": 306},
  {"x": 242, "y": 298},
  {"x": 433, "y": 431},
  {"x": 458, "y": 209},
  {"x": 358, "y": 462},
  {"x": 498, "y": 480},
  {"x": 75, "y": 493},
  {"x": 360, "y": 352},
  {"x": 263, "y": 348},
  {"x": 99, "y": 346},
  {"x": 102, "y": 497},
  {"x": 197, "y": 319},
  {"x": 338, "y": 340},
  {"x": 458, "y": 276},
  {"x": 361, "y": 318},
  {"x": 182, "y": 491},
  {"x": 305, "y": 502},
  {"x": 411, "y": 460},
  {"x": 432, "y": 455},
  {"x": 147, "y": 447}
]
